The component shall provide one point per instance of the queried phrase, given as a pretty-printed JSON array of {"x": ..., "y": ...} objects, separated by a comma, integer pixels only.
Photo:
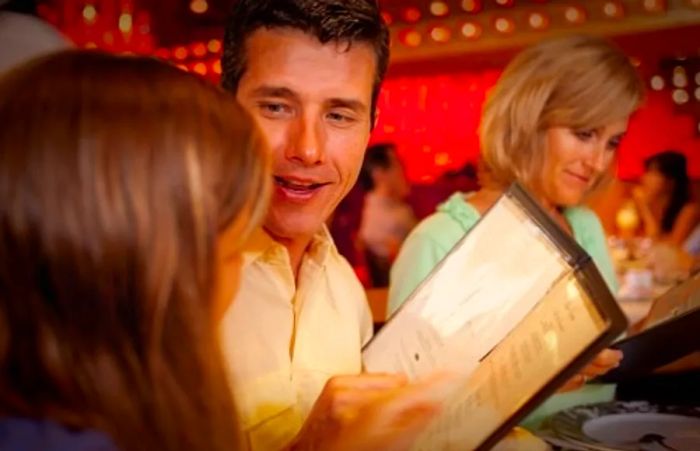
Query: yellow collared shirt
[{"x": 283, "y": 341}]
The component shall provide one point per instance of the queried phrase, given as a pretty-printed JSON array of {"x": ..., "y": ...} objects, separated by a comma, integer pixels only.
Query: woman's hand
[
  {"x": 603, "y": 362},
  {"x": 373, "y": 411}
]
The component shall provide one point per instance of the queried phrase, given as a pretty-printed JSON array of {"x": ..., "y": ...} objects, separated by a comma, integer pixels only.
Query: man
[
  {"x": 386, "y": 216},
  {"x": 309, "y": 72}
]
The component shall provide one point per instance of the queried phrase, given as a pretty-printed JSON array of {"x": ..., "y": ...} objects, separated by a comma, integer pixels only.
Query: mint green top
[{"x": 435, "y": 236}]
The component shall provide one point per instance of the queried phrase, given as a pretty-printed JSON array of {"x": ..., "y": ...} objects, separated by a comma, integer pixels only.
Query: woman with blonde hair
[{"x": 553, "y": 122}]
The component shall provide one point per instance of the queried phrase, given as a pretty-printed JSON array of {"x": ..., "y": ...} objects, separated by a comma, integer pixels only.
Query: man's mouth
[{"x": 297, "y": 189}]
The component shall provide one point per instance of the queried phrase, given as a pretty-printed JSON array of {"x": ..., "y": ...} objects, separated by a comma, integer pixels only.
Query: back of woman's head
[
  {"x": 670, "y": 163},
  {"x": 573, "y": 81},
  {"x": 116, "y": 175},
  {"x": 673, "y": 166}
]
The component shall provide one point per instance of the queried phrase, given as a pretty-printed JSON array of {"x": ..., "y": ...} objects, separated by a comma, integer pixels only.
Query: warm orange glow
[
  {"x": 680, "y": 96},
  {"x": 538, "y": 21},
  {"x": 125, "y": 22},
  {"x": 412, "y": 38},
  {"x": 575, "y": 15},
  {"x": 214, "y": 46},
  {"x": 471, "y": 30},
  {"x": 439, "y": 8},
  {"x": 654, "y": 6},
  {"x": 504, "y": 25},
  {"x": 614, "y": 10},
  {"x": 180, "y": 53},
  {"x": 199, "y": 49},
  {"x": 680, "y": 79},
  {"x": 199, "y": 6},
  {"x": 440, "y": 34},
  {"x": 89, "y": 14},
  {"x": 471, "y": 6},
  {"x": 657, "y": 83},
  {"x": 200, "y": 68},
  {"x": 216, "y": 67},
  {"x": 442, "y": 159}
]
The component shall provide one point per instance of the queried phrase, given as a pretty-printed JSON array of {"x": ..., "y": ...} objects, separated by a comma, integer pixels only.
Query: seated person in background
[
  {"x": 386, "y": 217},
  {"x": 127, "y": 188},
  {"x": 663, "y": 199},
  {"x": 553, "y": 122}
]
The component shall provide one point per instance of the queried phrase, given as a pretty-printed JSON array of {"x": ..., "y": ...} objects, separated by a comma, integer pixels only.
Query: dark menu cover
[
  {"x": 516, "y": 308},
  {"x": 670, "y": 331}
]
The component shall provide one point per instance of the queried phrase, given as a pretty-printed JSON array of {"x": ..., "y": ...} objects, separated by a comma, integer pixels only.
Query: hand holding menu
[{"x": 517, "y": 307}]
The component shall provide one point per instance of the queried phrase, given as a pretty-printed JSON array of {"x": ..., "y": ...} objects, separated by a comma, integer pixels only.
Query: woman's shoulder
[
  {"x": 20, "y": 434},
  {"x": 454, "y": 213},
  {"x": 582, "y": 214}
]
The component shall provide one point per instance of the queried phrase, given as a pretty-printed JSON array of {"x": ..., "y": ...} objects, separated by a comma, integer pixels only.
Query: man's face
[{"x": 312, "y": 103}]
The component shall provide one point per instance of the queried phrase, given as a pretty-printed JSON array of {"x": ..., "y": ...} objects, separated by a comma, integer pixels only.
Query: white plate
[{"x": 630, "y": 426}]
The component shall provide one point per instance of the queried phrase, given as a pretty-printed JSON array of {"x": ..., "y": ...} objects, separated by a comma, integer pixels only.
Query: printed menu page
[
  {"x": 489, "y": 282},
  {"x": 555, "y": 332}
]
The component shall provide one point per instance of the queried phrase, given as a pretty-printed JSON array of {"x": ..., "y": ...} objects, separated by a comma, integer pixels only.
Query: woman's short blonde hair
[{"x": 574, "y": 81}]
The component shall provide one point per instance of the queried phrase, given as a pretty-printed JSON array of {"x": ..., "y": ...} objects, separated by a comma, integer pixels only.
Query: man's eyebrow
[
  {"x": 352, "y": 104},
  {"x": 274, "y": 91}
]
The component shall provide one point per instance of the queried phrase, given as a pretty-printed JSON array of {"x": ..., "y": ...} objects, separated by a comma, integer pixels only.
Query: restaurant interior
[{"x": 445, "y": 57}]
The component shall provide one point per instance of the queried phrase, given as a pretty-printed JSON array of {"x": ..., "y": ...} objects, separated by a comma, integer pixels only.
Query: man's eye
[
  {"x": 274, "y": 109},
  {"x": 340, "y": 118}
]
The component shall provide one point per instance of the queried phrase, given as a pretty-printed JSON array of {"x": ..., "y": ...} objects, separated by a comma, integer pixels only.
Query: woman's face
[
  {"x": 576, "y": 159},
  {"x": 655, "y": 183}
]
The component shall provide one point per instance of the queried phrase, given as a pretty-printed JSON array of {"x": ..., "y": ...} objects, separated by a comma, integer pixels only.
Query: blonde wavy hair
[{"x": 574, "y": 81}]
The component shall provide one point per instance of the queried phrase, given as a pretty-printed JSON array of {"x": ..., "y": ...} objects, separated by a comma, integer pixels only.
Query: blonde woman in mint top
[{"x": 553, "y": 122}]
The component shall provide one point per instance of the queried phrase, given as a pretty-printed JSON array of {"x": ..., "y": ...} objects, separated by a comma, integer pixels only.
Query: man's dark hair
[
  {"x": 377, "y": 156},
  {"x": 342, "y": 21}
]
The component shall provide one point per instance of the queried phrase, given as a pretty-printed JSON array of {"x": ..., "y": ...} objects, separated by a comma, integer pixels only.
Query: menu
[
  {"x": 668, "y": 333},
  {"x": 516, "y": 308}
]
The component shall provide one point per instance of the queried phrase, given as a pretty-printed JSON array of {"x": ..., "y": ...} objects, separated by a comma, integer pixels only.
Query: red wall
[{"x": 434, "y": 120}]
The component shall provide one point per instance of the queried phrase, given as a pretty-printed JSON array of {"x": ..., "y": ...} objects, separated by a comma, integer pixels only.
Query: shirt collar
[{"x": 261, "y": 246}]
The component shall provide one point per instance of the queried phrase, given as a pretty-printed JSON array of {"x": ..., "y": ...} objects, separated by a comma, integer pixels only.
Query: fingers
[
  {"x": 574, "y": 383},
  {"x": 601, "y": 364},
  {"x": 342, "y": 396},
  {"x": 432, "y": 391},
  {"x": 608, "y": 358},
  {"x": 365, "y": 381}
]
